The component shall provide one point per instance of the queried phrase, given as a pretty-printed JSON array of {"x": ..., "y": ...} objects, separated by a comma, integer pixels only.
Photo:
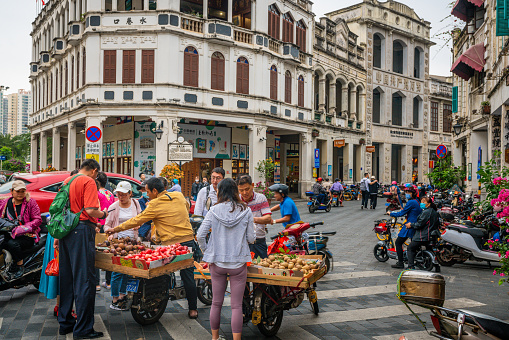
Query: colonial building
[
  {"x": 480, "y": 93},
  {"x": 339, "y": 100},
  {"x": 234, "y": 78},
  {"x": 397, "y": 41}
]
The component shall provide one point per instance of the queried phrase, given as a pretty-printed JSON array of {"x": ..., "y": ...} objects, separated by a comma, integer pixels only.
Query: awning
[
  {"x": 463, "y": 8},
  {"x": 470, "y": 61}
]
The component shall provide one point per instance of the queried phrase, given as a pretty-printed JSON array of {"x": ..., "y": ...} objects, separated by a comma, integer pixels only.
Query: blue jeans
[
  {"x": 321, "y": 198},
  {"x": 118, "y": 284}
]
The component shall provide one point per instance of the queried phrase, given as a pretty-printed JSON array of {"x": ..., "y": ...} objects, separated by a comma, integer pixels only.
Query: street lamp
[
  {"x": 457, "y": 128},
  {"x": 159, "y": 133}
]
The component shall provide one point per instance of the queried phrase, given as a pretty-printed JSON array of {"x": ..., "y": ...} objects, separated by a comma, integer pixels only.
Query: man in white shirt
[
  {"x": 207, "y": 196},
  {"x": 364, "y": 186}
]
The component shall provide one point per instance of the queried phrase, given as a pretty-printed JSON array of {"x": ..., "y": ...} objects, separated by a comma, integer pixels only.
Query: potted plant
[
  {"x": 171, "y": 172},
  {"x": 315, "y": 133},
  {"x": 362, "y": 141},
  {"x": 266, "y": 170},
  {"x": 48, "y": 169},
  {"x": 486, "y": 107}
]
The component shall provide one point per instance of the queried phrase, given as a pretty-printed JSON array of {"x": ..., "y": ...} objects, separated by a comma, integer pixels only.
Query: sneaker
[
  {"x": 362, "y": 207},
  {"x": 120, "y": 305},
  {"x": 105, "y": 285},
  {"x": 15, "y": 272},
  {"x": 98, "y": 288},
  {"x": 398, "y": 265},
  {"x": 115, "y": 306}
]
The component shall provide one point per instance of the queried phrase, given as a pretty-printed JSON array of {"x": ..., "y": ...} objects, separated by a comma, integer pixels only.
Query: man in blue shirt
[
  {"x": 289, "y": 212},
  {"x": 176, "y": 186}
]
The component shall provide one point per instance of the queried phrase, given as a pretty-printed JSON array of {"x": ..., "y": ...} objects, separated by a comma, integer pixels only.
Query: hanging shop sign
[
  {"x": 339, "y": 143},
  {"x": 208, "y": 141},
  {"x": 370, "y": 148}
]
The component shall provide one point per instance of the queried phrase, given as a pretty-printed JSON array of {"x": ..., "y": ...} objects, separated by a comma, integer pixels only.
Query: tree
[
  {"x": 6, "y": 152},
  {"x": 445, "y": 174}
]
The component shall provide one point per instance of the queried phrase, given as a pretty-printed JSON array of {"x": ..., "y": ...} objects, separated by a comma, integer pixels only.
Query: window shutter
[
  {"x": 128, "y": 67},
  {"x": 66, "y": 78},
  {"x": 288, "y": 89},
  {"x": 187, "y": 69},
  {"x": 213, "y": 74},
  {"x": 78, "y": 70},
  {"x": 61, "y": 79},
  {"x": 245, "y": 78},
  {"x": 270, "y": 23},
  {"x": 147, "y": 66},
  {"x": 110, "y": 67},
  {"x": 278, "y": 25},
  {"x": 72, "y": 74},
  {"x": 220, "y": 74},
  {"x": 502, "y": 27},
  {"x": 301, "y": 93},
  {"x": 194, "y": 70},
  {"x": 84, "y": 67},
  {"x": 455, "y": 99},
  {"x": 273, "y": 85}
]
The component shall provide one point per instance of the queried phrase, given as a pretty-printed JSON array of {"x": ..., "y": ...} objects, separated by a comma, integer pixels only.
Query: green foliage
[
  {"x": 6, "y": 151},
  {"x": 266, "y": 169},
  {"x": 14, "y": 165},
  {"x": 20, "y": 145},
  {"x": 445, "y": 174}
]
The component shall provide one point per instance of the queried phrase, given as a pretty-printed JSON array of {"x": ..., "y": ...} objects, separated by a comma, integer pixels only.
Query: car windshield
[{"x": 6, "y": 188}]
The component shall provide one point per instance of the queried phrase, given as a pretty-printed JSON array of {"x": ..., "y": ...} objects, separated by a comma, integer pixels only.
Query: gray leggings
[{"x": 238, "y": 279}]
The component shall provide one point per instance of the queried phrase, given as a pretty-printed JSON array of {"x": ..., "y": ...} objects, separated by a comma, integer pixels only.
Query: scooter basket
[
  {"x": 380, "y": 229},
  {"x": 416, "y": 286}
]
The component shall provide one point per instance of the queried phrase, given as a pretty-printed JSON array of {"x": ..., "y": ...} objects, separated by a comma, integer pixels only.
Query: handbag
[
  {"x": 8, "y": 225},
  {"x": 52, "y": 269}
]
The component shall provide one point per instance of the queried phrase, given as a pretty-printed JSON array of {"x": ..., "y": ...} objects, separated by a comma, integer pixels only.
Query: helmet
[
  {"x": 281, "y": 188},
  {"x": 336, "y": 180},
  {"x": 319, "y": 179},
  {"x": 176, "y": 181},
  {"x": 394, "y": 183},
  {"x": 410, "y": 190}
]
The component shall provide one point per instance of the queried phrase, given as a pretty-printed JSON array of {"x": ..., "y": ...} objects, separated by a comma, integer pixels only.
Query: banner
[
  {"x": 210, "y": 141},
  {"x": 144, "y": 148}
]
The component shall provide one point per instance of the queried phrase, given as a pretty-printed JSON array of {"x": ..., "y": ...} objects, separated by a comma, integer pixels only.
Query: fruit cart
[
  {"x": 271, "y": 291},
  {"x": 152, "y": 283}
]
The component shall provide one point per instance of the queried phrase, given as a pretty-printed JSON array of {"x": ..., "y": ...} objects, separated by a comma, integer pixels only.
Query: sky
[{"x": 16, "y": 19}]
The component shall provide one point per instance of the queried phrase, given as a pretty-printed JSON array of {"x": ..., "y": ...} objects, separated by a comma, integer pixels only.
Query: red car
[{"x": 43, "y": 186}]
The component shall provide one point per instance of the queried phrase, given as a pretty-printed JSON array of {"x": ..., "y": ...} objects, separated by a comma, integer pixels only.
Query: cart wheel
[
  {"x": 270, "y": 324},
  {"x": 347, "y": 196},
  {"x": 204, "y": 288},
  {"x": 313, "y": 300},
  {"x": 148, "y": 317},
  {"x": 314, "y": 307}
]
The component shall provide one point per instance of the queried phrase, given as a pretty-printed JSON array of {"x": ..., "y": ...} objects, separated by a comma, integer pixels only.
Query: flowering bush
[
  {"x": 264, "y": 189},
  {"x": 266, "y": 170},
  {"x": 171, "y": 172},
  {"x": 49, "y": 169},
  {"x": 502, "y": 246},
  {"x": 14, "y": 165}
]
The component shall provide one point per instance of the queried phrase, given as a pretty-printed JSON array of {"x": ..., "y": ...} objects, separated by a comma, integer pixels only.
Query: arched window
[
  {"x": 397, "y": 109},
  {"x": 78, "y": 71},
  {"x": 274, "y": 22},
  {"x": 287, "y": 28},
  {"x": 242, "y": 75},
  {"x": 377, "y": 50},
  {"x": 84, "y": 66},
  {"x": 416, "y": 112},
  {"x": 300, "y": 91},
  {"x": 301, "y": 36},
  {"x": 191, "y": 66},
  {"x": 217, "y": 72},
  {"x": 417, "y": 63},
  {"x": 377, "y": 105},
  {"x": 398, "y": 55},
  {"x": 273, "y": 82},
  {"x": 288, "y": 87}
]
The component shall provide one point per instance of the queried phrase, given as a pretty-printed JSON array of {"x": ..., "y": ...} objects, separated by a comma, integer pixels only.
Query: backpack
[
  {"x": 63, "y": 220},
  {"x": 363, "y": 186}
]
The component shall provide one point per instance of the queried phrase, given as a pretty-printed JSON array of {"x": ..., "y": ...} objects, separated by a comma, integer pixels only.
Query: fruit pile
[
  {"x": 158, "y": 254},
  {"x": 284, "y": 261},
  {"x": 121, "y": 247}
]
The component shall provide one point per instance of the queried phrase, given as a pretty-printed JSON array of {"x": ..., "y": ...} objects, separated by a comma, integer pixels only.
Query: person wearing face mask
[
  {"x": 426, "y": 223},
  {"x": 411, "y": 211},
  {"x": 195, "y": 188},
  {"x": 145, "y": 228}
]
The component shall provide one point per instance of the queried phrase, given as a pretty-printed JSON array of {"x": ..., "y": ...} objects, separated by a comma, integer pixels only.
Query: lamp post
[{"x": 457, "y": 128}]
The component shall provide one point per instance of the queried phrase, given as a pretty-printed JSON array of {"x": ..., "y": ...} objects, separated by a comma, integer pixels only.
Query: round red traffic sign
[
  {"x": 441, "y": 151},
  {"x": 93, "y": 134}
]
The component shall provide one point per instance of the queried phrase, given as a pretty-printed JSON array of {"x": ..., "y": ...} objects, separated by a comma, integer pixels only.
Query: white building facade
[
  {"x": 397, "y": 88},
  {"x": 234, "y": 78}
]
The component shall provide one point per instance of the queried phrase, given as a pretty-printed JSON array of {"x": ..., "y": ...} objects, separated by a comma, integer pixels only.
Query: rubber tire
[
  {"x": 36, "y": 284},
  {"x": 149, "y": 321},
  {"x": 312, "y": 209},
  {"x": 428, "y": 261},
  {"x": 203, "y": 296},
  {"x": 384, "y": 255},
  {"x": 442, "y": 261},
  {"x": 314, "y": 307},
  {"x": 327, "y": 262},
  {"x": 329, "y": 206},
  {"x": 278, "y": 319},
  {"x": 347, "y": 196}
]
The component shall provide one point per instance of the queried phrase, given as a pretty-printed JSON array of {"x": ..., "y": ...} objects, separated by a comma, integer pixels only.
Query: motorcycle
[
  {"x": 314, "y": 205},
  {"x": 314, "y": 243},
  {"x": 464, "y": 242},
  {"x": 427, "y": 290},
  {"x": 203, "y": 287},
  {"x": 336, "y": 200},
  {"x": 385, "y": 249},
  {"x": 32, "y": 260}
]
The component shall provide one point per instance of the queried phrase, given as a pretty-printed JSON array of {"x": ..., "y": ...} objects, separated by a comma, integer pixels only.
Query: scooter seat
[
  {"x": 470, "y": 224},
  {"x": 475, "y": 232},
  {"x": 492, "y": 325}
]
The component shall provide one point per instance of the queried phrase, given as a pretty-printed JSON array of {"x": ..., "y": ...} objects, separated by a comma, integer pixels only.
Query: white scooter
[{"x": 465, "y": 243}]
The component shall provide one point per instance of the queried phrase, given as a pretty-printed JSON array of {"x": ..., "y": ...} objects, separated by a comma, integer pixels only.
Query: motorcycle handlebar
[{"x": 315, "y": 224}]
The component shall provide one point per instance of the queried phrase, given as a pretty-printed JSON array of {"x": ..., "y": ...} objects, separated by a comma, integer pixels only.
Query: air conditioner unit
[
  {"x": 59, "y": 46},
  {"x": 45, "y": 60},
  {"x": 34, "y": 69},
  {"x": 75, "y": 32}
]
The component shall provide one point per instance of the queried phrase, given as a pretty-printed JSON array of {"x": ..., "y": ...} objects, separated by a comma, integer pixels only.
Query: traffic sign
[
  {"x": 441, "y": 151},
  {"x": 93, "y": 134},
  {"x": 317, "y": 158},
  {"x": 3, "y": 158}
]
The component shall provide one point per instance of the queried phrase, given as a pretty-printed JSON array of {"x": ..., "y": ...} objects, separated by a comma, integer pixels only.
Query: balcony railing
[
  {"x": 302, "y": 58},
  {"x": 193, "y": 25},
  {"x": 243, "y": 37},
  {"x": 274, "y": 46}
]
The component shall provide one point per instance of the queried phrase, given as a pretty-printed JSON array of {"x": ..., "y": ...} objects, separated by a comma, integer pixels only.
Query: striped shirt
[{"x": 259, "y": 207}]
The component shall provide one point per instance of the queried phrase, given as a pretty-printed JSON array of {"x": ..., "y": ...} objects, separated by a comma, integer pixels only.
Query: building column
[
  {"x": 78, "y": 13},
  {"x": 282, "y": 163},
  {"x": 170, "y": 133},
  {"x": 257, "y": 148},
  {"x": 406, "y": 161},
  {"x": 33, "y": 153},
  {"x": 353, "y": 101},
  {"x": 71, "y": 146},
  {"x": 361, "y": 110},
  {"x": 332, "y": 98},
  {"x": 145, "y": 5},
  {"x": 253, "y": 16},
  {"x": 344, "y": 100},
  {"x": 321, "y": 94},
  {"x": 44, "y": 150},
  {"x": 385, "y": 162},
  {"x": 114, "y": 6},
  {"x": 205, "y": 9},
  {"x": 55, "y": 155},
  {"x": 230, "y": 10},
  {"x": 420, "y": 165},
  {"x": 306, "y": 161},
  {"x": 329, "y": 151},
  {"x": 348, "y": 156}
]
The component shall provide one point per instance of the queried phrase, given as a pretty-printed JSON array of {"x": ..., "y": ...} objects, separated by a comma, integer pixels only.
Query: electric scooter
[{"x": 314, "y": 205}]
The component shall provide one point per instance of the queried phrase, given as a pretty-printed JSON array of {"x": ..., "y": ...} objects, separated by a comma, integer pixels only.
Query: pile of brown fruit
[
  {"x": 120, "y": 247},
  {"x": 284, "y": 261}
]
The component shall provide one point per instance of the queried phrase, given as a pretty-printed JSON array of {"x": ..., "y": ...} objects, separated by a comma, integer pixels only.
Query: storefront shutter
[
  {"x": 502, "y": 18},
  {"x": 455, "y": 99},
  {"x": 147, "y": 66}
]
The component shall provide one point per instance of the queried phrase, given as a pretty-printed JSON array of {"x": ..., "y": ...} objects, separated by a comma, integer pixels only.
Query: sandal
[{"x": 192, "y": 316}]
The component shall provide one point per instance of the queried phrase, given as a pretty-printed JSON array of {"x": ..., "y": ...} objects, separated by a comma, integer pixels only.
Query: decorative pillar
[
  {"x": 71, "y": 146},
  {"x": 353, "y": 101},
  {"x": 206, "y": 9},
  {"x": 78, "y": 12},
  {"x": 114, "y": 6},
  {"x": 385, "y": 162},
  {"x": 332, "y": 98},
  {"x": 306, "y": 161},
  {"x": 55, "y": 155},
  {"x": 406, "y": 162},
  {"x": 145, "y": 5},
  {"x": 33, "y": 153},
  {"x": 44, "y": 150},
  {"x": 257, "y": 149},
  {"x": 230, "y": 10},
  {"x": 253, "y": 16},
  {"x": 72, "y": 11},
  {"x": 344, "y": 100},
  {"x": 321, "y": 94}
]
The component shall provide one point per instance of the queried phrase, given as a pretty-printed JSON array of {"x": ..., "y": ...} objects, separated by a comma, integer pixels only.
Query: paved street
[{"x": 357, "y": 300}]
